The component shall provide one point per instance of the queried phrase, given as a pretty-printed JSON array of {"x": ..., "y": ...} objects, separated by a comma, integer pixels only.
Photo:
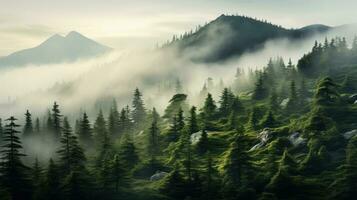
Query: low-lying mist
[{"x": 84, "y": 85}]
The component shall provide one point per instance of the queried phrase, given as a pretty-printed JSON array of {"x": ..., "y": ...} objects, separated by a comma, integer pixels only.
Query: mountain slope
[
  {"x": 56, "y": 49},
  {"x": 229, "y": 36}
]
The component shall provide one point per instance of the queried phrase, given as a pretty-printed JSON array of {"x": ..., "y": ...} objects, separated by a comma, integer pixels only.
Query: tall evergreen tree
[
  {"x": 65, "y": 148},
  {"x": 226, "y": 102},
  {"x": 293, "y": 98},
  {"x": 260, "y": 92},
  {"x": 52, "y": 182},
  {"x": 237, "y": 167},
  {"x": 138, "y": 112},
  {"x": 128, "y": 153},
  {"x": 269, "y": 120},
  {"x": 13, "y": 172},
  {"x": 99, "y": 130},
  {"x": 209, "y": 108},
  {"x": 118, "y": 173},
  {"x": 28, "y": 128},
  {"x": 153, "y": 139},
  {"x": 203, "y": 145},
  {"x": 113, "y": 120},
  {"x": 37, "y": 126},
  {"x": 85, "y": 132},
  {"x": 192, "y": 121},
  {"x": 56, "y": 121},
  {"x": 254, "y": 119}
]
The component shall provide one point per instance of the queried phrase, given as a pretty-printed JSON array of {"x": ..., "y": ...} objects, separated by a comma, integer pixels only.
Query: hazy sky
[{"x": 124, "y": 23}]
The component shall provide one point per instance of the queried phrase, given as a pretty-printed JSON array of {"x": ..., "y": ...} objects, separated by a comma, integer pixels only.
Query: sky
[{"x": 125, "y": 24}]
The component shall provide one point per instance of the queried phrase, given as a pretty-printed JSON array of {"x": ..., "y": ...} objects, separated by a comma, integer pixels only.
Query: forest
[{"x": 282, "y": 131}]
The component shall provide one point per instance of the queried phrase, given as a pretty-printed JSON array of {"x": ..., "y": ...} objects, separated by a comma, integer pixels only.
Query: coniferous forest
[{"x": 286, "y": 132}]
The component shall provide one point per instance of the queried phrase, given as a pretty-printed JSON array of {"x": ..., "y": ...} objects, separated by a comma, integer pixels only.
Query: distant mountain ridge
[
  {"x": 231, "y": 35},
  {"x": 56, "y": 49}
]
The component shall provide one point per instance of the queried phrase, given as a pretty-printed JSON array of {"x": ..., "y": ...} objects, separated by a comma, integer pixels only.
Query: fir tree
[
  {"x": 192, "y": 121},
  {"x": 209, "y": 108},
  {"x": 76, "y": 186},
  {"x": 113, "y": 120},
  {"x": 260, "y": 91},
  {"x": 56, "y": 121},
  {"x": 254, "y": 118},
  {"x": 118, "y": 173},
  {"x": 203, "y": 145},
  {"x": 13, "y": 172},
  {"x": 293, "y": 98},
  {"x": 128, "y": 153},
  {"x": 326, "y": 93},
  {"x": 174, "y": 185},
  {"x": 52, "y": 183},
  {"x": 153, "y": 141},
  {"x": 65, "y": 147},
  {"x": 99, "y": 130},
  {"x": 85, "y": 132},
  {"x": 269, "y": 120},
  {"x": 237, "y": 167},
  {"x": 28, "y": 128},
  {"x": 37, "y": 126},
  {"x": 138, "y": 112},
  {"x": 226, "y": 102}
]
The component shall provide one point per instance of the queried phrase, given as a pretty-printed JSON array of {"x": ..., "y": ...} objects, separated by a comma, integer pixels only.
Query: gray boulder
[
  {"x": 264, "y": 137},
  {"x": 296, "y": 139},
  {"x": 350, "y": 134},
  {"x": 158, "y": 176}
]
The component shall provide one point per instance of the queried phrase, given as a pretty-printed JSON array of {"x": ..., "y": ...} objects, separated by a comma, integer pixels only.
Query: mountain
[
  {"x": 229, "y": 36},
  {"x": 56, "y": 49}
]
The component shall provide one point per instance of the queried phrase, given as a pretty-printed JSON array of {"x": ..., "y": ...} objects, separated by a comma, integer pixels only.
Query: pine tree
[
  {"x": 76, "y": 186},
  {"x": 260, "y": 91},
  {"x": 28, "y": 128},
  {"x": 37, "y": 179},
  {"x": 350, "y": 170},
  {"x": 187, "y": 154},
  {"x": 203, "y": 145},
  {"x": 52, "y": 183},
  {"x": 254, "y": 119},
  {"x": 192, "y": 121},
  {"x": 282, "y": 184},
  {"x": 293, "y": 98},
  {"x": 174, "y": 185},
  {"x": 99, "y": 130},
  {"x": 78, "y": 158},
  {"x": 85, "y": 132},
  {"x": 209, "y": 108},
  {"x": 113, "y": 120},
  {"x": 127, "y": 153},
  {"x": 180, "y": 120},
  {"x": 56, "y": 121},
  {"x": 153, "y": 139},
  {"x": 326, "y": 93},
  {"x": 226, "y": 102},
  {"x": 13, "y": 172},
  {"x": 237, "y": 167},
  {"x": 138, "y": 112},
  {"x": 37, "y": 126},
  {"x": 273, "y": 101},
  {"x": 269, "y": 120},
  {"x": 117, "y": 173},
  {"x": 65, "y": 148}
]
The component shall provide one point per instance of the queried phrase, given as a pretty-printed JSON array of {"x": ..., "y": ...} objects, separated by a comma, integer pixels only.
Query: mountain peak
[
  {"x": 74, "y": 34},
  {"x": 57, "y": 49}
]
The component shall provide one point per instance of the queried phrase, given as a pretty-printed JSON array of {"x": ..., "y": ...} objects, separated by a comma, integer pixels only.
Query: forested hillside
[
  {"x": 281, "y": 132},
  {"x": 232, "y": 35}
]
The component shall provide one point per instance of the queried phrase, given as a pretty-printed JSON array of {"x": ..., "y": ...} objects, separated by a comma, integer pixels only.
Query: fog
[{"x": 85, "y": 85}]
